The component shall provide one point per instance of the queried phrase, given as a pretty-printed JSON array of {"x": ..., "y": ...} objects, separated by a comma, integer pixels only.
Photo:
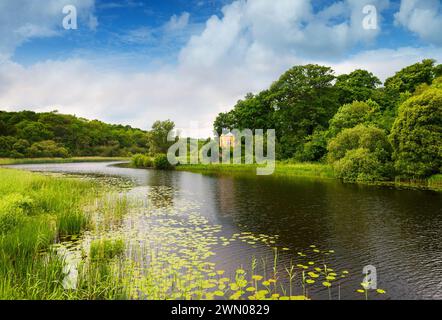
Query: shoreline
[
  {"x": 10, "y": 161},
  {"x": 312, "y": 170},
  {"x": 304, "y": 170}
]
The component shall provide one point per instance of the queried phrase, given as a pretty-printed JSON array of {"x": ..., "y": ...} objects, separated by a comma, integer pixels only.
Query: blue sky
[
  {"x": 135, "y": 61},
  {"x": 118, "y": 18}
]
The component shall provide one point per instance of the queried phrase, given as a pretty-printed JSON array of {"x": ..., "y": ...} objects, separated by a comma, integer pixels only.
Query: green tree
[
  {"x": 48, "y": 149},
  {"x": 6, "y": 145},
  {"x": 409, "y": 78},
  {"x": 3, "y": 128},
  {"x": 225, "y": 121},
  {"x": 417, "y": 135},
  {"x": 158, "y": 136},
  {"x": 80, "y": 137},
  {"x": 255, "y": 112},
  {"x": 373, "y": 139},
  {"x": 21, "y": 147},
  {"x": 33, "y": 131},
  {"x": 360, "y": 85},
  {"x": 350, "y": 115},
  {"x": 304, "y": 100},
  {"x": 314, "y": 148}
]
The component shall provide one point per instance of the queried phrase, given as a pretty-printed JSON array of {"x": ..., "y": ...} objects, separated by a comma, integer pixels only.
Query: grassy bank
[
  {"x": 282, "y": 169},
  {"x": 9, "y": 161},
  {"x": 314, "y": 170},
  {"x": 36, "y": 211},
  {"x": 435, "y": 181}
]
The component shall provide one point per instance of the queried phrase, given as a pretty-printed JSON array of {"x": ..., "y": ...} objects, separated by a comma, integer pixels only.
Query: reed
[{"x": 35, "y": 210}]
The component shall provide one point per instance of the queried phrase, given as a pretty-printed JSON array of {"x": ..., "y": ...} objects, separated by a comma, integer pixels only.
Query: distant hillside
[{"x": 50, "y": 134}]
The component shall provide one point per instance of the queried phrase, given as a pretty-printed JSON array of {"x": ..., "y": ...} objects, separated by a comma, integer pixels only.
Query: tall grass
[
  {"x": 435, "y": 181},
  {"x": 34, "y": 211}
]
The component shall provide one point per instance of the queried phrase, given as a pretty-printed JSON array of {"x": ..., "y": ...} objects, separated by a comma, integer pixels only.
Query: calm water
[{"x": 397, "y": 231}]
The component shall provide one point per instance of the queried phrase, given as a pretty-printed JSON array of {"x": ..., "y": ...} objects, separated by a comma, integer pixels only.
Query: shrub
[
  {"x": 142, "y": 161},
  {"x": 361, "y": 165},
  {"x": 417, "y": 135},
  {"x": 373, "y": 139},
  {"x": 361, "y": 154},
  {"x": 137, "y": 160},
  {"x": 161, "y": 162},
  {"x": 147, "y": 162}
]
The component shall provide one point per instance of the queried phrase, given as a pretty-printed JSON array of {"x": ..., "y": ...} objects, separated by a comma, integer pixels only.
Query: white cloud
[
  {"x": 284, "y": 27},
  {"x": 243, "y": 51},
  {"x": 176, "y": 30},
  {"x": 423, "y": 18},
  {"x": 140, "y": 35},
  {"x": 21, "y": 20},
  {"x": 385, "y": 62},
  {"x": 178, "y": 22}
]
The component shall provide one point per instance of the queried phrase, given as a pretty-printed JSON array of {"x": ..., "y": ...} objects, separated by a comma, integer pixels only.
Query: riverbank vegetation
[
  {"x": 367, "y": 131},
  {"x": 35, "y": 211},
  {"x": 10, "y": 161},
  {"x": 283, "y": 168}
]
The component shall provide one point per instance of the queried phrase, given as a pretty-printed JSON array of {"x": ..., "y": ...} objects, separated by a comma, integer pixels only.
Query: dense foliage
[
  {"x": 361, "y": 154},
  {"x": 30, "y": 134},
  {"x": 417, "y": 135},
  {"x": 367, "y": 130},
  {"x": 157, "y": 137}
]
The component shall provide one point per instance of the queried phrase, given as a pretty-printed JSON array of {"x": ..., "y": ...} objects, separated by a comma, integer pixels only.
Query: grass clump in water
[{"x": 106, "y": 249}]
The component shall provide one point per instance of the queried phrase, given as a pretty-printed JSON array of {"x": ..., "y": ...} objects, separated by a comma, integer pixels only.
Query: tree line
[
  {"x": 368, "y": 130},
  {"x": 50, "y": 134}
]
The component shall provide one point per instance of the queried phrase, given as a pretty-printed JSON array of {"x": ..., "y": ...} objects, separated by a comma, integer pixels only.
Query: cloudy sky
[{"x": 134, "y": 61}]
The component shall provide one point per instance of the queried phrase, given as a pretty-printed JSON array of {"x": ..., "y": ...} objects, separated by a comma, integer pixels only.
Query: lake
[{"x": 396, "y": 230}]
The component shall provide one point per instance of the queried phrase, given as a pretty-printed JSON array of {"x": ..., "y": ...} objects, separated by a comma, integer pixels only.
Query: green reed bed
[
  {"x": 100, "y": 273},
  {"x": 35, "y": 210}
]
